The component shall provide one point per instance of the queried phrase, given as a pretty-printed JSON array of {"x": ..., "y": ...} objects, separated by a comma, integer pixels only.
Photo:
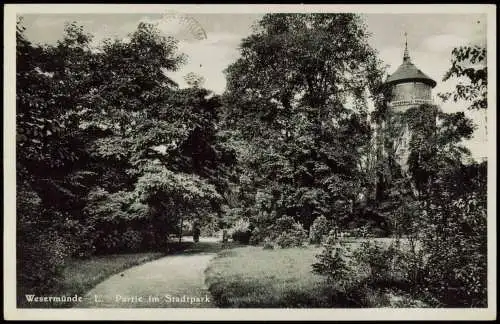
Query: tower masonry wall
[{"x": 410, "y": 94}]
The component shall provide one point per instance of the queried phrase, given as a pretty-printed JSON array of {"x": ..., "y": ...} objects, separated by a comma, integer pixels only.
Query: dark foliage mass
[
  {"x": 111, "y": 153},
  {"x": 113, "y": 156},
  {"x": 300, "y": 146}
]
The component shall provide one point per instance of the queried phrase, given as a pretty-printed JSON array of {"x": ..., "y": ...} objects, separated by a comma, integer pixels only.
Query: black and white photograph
[{"x": 181, "y": 161}]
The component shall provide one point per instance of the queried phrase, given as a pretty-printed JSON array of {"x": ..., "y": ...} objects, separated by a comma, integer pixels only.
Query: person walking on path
[{"x": 196, "y": 231}]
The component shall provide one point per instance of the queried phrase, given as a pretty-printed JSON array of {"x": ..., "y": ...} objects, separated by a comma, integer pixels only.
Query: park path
[{"x": 172, "y": 281}]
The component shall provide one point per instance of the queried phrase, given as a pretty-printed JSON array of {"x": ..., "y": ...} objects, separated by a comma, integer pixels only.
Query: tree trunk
[{"x": 180, "y": 230}]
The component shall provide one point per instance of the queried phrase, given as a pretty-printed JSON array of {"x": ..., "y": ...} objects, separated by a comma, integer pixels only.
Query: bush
[
  {"x": 378, "y": 259},
  {"x": 333, "y": 262},
  {"x": 331, "y": 238},
  {"x": 42, "y": 259},
  {"x": 40, "y": 247},
  {"x": 408, "y": 264},
  {"x": 127, "y": 241},
  {"x": 294, "y": 237},
  {"x": 456, "y": 247},
  {"x": 210, "y": 229},
  {"x": 288, "y": 240},
  {"x": 283, "y": 224},
  {"x": 378, "y": 232},
  {"x": 448, "y": 265},
  {"x": 240, "y": 231},
  {"x": 319, "y": 228},
  {"x": 82, "y": 236},
  {"x": 268, "y": 245},
  {"x": 362, "y": 231},
  {"x": 257, "y": 236},
  {"x": 132, "y": 240}
]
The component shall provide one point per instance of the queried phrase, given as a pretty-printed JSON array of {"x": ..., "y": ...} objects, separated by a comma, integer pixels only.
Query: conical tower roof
[{"x": 408, "y": 72}]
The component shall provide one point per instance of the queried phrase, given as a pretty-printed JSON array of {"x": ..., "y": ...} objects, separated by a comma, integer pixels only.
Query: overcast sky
[{"x": 431, "y": 37}]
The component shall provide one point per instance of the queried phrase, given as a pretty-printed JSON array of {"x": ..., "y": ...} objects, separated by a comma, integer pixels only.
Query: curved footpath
[{"x": 172, "y": 281}]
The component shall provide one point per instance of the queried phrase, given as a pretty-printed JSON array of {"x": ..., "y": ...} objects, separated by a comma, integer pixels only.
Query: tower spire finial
[{"x": 406, "y": 55}]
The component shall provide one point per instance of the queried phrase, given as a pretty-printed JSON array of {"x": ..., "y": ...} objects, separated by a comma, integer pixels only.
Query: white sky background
[{"x": 431, "y": 37}]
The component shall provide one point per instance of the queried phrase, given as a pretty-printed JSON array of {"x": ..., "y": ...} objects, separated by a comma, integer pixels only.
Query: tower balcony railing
[{"x": 408, "y": 102}]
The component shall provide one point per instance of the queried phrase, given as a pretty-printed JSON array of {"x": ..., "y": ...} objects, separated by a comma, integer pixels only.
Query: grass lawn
[{"x": 253, "y": 277}]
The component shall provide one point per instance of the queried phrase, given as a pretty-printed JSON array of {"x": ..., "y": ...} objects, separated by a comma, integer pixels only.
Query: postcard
[{"x": 266, "y": 162}]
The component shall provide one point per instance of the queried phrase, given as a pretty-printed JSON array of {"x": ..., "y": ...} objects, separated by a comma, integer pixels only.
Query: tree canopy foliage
[
  {"x": 108, "y": 144},
  {"x": 295, "y": 107},
  {"x": 468, "y": 65}
]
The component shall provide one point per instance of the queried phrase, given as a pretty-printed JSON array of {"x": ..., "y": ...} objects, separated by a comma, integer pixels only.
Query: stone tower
[{"x": 409, "y": 88}]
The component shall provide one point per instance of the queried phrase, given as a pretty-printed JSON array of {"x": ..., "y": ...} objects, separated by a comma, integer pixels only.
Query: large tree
[
  {"x": 51, "y": 180},
  {"x": 295, "y": 108},
  {"x": 151, "y": 129}
]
